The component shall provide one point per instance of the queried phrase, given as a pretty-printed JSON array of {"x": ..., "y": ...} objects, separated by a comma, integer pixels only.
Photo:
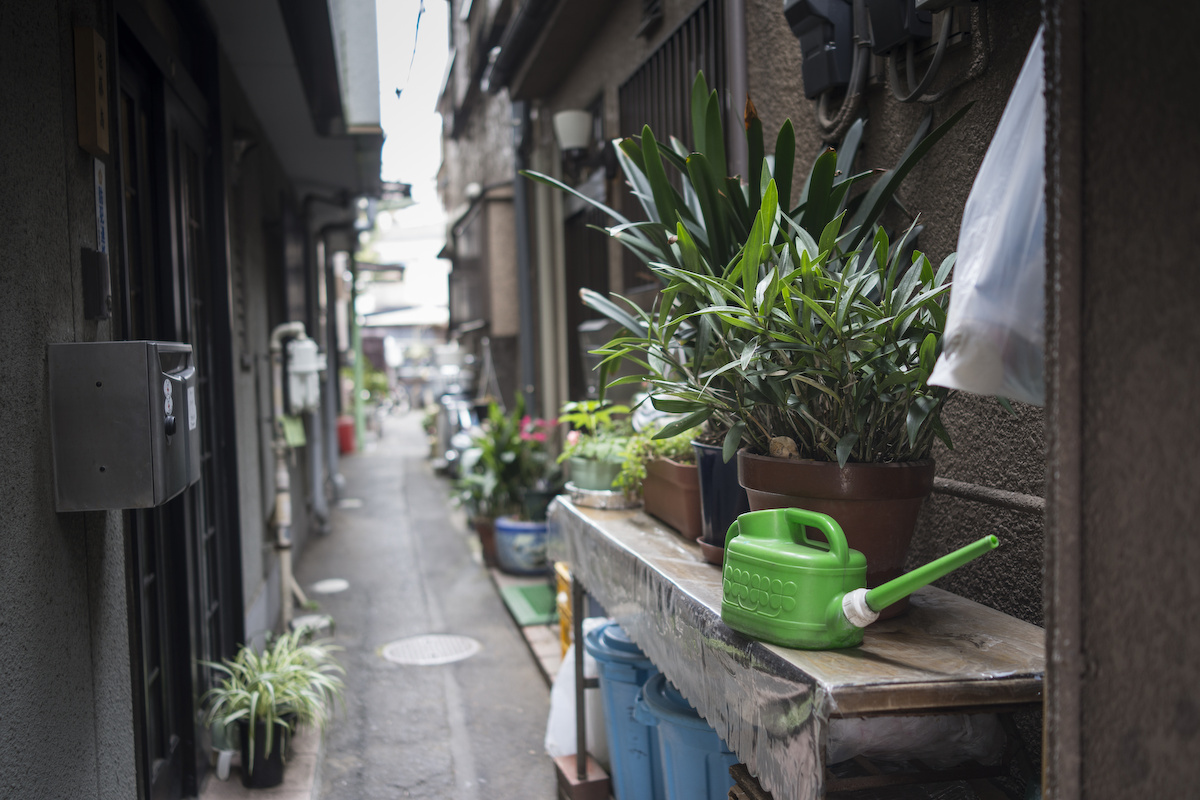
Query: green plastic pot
[{"x": 593, "y": 475}]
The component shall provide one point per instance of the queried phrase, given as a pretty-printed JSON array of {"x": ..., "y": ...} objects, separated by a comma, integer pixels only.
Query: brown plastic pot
[
  {"x": 485, "y": 529},
  {"x": 671, "y": 492},
  {"x": 875, "y": 504}
]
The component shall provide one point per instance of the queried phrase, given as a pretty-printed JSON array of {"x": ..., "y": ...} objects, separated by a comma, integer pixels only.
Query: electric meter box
[{"x": 124, "y": 423}]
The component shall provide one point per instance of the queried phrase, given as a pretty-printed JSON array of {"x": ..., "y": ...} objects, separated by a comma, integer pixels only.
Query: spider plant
[{"x": 293, "y": 681}]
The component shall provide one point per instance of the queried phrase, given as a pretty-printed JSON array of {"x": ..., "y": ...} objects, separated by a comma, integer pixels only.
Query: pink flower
[
  {"x": 533, "y": 430},
  {"x": 573, "y": 437}
]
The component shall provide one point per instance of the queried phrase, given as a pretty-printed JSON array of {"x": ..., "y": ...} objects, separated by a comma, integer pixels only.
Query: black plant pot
[
  {"x": 722, "y": 499},
  {"x": 263, "y": 771}
]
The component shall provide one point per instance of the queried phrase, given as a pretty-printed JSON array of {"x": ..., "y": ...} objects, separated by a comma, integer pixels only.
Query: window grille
[{"x": 659, "y": 94}]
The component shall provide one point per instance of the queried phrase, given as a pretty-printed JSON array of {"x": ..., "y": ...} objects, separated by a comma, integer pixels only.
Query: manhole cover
[
  {"x": 431, "y": 649},
  {"x": 331, "y": 586}
]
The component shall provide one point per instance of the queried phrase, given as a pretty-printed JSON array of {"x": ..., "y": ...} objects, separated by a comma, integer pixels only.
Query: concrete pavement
[{"x": 464, "y": 730}]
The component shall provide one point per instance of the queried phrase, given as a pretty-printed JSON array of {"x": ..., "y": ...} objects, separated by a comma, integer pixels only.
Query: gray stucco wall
[{"x": 66, "y": 719}]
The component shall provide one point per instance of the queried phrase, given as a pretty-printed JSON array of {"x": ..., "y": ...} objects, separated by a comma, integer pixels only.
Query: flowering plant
[{"x": 508, "y": 457}]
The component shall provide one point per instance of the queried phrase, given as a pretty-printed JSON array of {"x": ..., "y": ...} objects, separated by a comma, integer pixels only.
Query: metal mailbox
[{"x": 124, "y": 423}]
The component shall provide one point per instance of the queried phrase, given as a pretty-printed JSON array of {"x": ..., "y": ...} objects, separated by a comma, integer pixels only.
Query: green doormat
[{"x": 530, "y": 605}]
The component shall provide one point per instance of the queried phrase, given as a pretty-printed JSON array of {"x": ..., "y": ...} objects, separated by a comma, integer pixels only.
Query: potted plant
[
  {"x": 507, "y": 478},
  {"x": 764, "y": 311},
  {"x": 664, "y": 473},
  {"x": 818, "y": 365},
  {"x": 266, "y": 695},
  {"x": 595, "y": 447}
]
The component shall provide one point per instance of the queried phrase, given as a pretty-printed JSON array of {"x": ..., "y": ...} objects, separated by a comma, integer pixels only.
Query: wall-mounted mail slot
[{"x": 124, "y": 423}]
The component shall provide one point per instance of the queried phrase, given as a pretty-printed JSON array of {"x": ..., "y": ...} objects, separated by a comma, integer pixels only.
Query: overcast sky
[{"x": 412, "y": 151}]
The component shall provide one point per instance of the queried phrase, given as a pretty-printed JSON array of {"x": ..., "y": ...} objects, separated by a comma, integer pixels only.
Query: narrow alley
[{"x": 469, "y": 729}]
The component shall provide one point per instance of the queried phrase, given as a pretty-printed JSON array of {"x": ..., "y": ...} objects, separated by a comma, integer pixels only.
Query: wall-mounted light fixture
[{"x": 573, "y": 131}]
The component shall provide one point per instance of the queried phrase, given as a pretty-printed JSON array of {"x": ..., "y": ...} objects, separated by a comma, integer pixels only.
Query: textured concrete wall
[{"x": 64, "y": 645}]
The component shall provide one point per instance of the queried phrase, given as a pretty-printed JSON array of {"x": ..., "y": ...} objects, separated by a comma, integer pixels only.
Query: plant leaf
[
  {"x": 733, "y": 440},
  {"x": 845, "y": 446},
  {"x": 685, "y": 424}
]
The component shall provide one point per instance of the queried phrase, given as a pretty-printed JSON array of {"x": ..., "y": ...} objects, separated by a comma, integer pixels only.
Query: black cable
[
  {"x": 413, "y": 58},
  {"x": 835, "y": 127},
  {"x": 915, "y": 92}
]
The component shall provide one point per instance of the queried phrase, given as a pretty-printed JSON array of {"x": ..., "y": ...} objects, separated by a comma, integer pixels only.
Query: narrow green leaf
[
  {"x": 714, "y": 141},
  {"x": 756, "y": 154},
  {"x": 735, "y": 197},
  {"x": 829, "y": 234},
  {"x": 598, "y": 302},
  {"x": 848, "y": 150},
  {"x": 733, "y": 440},
  {"x": 699, "y": 108},
  {"x": 918, "y": 412},
  {"x": 546, "y": 179},
  {"x": 672, "y": 406},
  {"x": 928, "y": 353},
  {"x": 845, "y": 446},
  {"x": 707, "y": 193},
  {"x": 820, "y": 207},
  {"x": 664, "y": 200},
  {"x": 785, "y": 162},
  {"x": 881, "y": 193},
  {"x": 684, "y": 424}
]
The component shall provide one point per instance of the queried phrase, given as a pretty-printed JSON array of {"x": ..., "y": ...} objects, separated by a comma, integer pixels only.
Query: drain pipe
[
  {"x": 520, "y": 122},
  {"x": 282, "y": 518}
]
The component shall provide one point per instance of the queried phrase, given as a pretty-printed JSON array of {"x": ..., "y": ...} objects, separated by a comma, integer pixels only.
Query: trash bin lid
[
  {"x": 611, "y": 643},
  {"x": 666, "y": 703}
]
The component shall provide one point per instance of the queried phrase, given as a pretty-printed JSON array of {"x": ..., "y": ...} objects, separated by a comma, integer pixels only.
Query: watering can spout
[
  {"x": 885, "y": 594},
  {"x": 862, "y": 606}
]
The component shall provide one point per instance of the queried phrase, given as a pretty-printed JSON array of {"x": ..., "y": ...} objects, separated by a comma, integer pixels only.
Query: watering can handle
[
  {"x": 734, "y": 530},
  {"x": 827, "y": 525}
]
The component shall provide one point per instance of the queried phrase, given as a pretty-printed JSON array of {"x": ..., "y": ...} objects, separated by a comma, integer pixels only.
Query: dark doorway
[{"x": 184, "y": 571}]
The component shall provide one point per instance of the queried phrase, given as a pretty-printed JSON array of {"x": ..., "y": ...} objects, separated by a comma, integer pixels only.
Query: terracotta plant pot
[
  {"x": 722, "y": 499},
  {"x": 671, "y": 492},
  {"x": 597, "y": 476},
  {"x": 485, "y": 529},
  {"x": 875, "y": 504}
]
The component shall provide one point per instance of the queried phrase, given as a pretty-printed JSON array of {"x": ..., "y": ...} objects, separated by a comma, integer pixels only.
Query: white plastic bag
[
  {"x": 560, "y": 724},
  {"x": 995, "y": 331}
]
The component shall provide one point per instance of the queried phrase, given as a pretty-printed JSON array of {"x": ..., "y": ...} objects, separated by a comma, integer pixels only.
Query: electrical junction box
[
  {"x": 305, "y": 363},
  {"x": 825, "y": 29},
  {"x": 124, "y": 423}
]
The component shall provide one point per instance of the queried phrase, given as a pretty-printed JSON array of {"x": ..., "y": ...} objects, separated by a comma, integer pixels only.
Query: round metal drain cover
[{"x": 431, "y": 649}]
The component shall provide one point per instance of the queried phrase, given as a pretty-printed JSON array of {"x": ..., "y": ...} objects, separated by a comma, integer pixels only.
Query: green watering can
[{"x": 784, "y": 588}]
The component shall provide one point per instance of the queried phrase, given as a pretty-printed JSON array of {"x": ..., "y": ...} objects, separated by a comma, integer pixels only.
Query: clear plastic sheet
[{"x": 772, "y": 705}]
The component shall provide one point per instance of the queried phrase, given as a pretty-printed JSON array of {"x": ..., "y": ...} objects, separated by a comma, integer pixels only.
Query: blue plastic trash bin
[
  {"x": 632, "y": 745},
  {"x": 695, "y": 760}
]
